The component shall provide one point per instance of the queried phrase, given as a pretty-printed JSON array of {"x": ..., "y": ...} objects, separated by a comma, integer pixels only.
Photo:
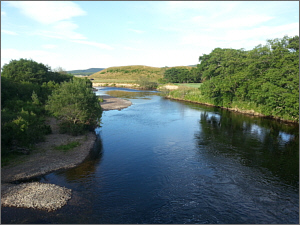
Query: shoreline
[
  {"x": 45, "y": 159},
  {"x": 246, "y": 112}
]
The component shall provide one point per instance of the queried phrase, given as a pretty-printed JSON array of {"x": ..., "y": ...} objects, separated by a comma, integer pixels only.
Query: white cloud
[
  {"x": 238, "y": 38},
  {"x": 96, "y": 44},
  {"x": 137, "y": 31},
  {"x": 62, "y": 30},
  {"x": 3, "y": 13},
  {"x": 48, "y": 12},
  {"x": 55, "y": 14},
  {"x": 243, "y": 21},
  {"x": 9, "y": 32},
  {"x": 49, "y": 46},
  {"x": 266, "y": 32},
  {"x": 209, "y": 8},
  {"x": 131, "y": 49},
  {"x": 237, "y": 21}
]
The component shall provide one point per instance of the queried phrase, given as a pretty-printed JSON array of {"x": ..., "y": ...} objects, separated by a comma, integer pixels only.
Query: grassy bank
[{"x": 191, "y": 94}]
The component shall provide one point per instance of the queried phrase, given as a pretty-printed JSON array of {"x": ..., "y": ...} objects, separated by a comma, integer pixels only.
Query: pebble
[{"x": 36, "y": 195}]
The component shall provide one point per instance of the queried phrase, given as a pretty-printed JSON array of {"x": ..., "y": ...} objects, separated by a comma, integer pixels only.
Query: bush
[
  {"x": 76, "y": 105},
  {"x": 22, "y": 129},
  {"x": 146, "y": 84}
]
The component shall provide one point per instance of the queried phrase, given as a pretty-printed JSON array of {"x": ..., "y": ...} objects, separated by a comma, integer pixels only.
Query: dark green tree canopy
[
  {"x": 182, "y": 75},
  {"x": 27, "y": 70},
  {"x": 267, "y": 75},
  {"x": 75, "y": 104}
]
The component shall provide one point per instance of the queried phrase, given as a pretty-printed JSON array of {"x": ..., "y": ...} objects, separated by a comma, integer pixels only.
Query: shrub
[
  {"x": 145, "y": 83},
  {"x": 76, "y": 105}
]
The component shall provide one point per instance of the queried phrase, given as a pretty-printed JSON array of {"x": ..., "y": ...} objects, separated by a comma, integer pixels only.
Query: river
[{"x": 164, "y": 161}]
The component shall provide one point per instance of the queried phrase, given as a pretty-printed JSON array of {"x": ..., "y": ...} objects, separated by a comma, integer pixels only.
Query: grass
[
  {"x": 68, "y": 146},
  {"x": 129, "y": 74},
  {"x": 194, "y": 85},
  {"x": 100, "y": 99},
  {"x": 10, "y": 158}
]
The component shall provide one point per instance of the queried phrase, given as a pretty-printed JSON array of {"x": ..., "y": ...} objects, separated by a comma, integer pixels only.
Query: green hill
[
  {"x": 86, "y": 72},
  {"x": 129, "y": 74}
]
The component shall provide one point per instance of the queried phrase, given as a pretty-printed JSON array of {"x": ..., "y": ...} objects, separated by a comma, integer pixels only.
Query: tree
[
  {"x": 75, "y": 104},
  {"x": 27, "y": 70},
  {"x": 182, "y": 75},
  {"x": 60, "y": 70},
  {"x": 267, "y": 76}
]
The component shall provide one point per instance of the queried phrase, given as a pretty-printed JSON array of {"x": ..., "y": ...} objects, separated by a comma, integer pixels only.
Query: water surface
[{"x": 163, "y": 161}]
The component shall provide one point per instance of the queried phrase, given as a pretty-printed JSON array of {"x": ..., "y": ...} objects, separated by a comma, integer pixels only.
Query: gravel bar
[{"x": 36, "y": 195}]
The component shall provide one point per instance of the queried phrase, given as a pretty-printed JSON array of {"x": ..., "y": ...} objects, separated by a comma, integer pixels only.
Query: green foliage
[
  {"x": 267, "y": 76},
  {"x": 76, "y": 105},
  {"x": 264, "y": 80},
  {"x": 182, "y": 75},
  {"x": 68, "y": 146},
  {"x": 27, "y": 70},
  {"x": 145, "y": 83},
  {"x": 25, "y": 86},
  {"x": 162, "y": 81},
  {"x": 21, "y": 128}
]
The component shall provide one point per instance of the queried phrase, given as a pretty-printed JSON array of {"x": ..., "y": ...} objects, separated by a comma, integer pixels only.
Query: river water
[{"x": 164, "y": 161}]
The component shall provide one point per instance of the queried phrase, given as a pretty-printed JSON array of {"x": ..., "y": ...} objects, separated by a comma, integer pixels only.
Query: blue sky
[{"x": 87, "y": 34}]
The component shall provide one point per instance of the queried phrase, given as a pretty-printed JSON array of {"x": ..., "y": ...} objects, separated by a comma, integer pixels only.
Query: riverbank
[
  {"x": 44, "y": 159},
  {"x": 243, "y": 111},
  {"x": 193, "y": 95}
]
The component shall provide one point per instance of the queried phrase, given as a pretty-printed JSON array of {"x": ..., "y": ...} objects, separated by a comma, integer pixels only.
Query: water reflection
[
  {"x": 88, "y": 167},
  {"x": 263, "y": 144},
  {"x": 175, "y": 162}
]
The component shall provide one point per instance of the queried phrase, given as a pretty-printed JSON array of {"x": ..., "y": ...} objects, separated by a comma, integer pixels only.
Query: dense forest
[
  {"x": 30, "y": 92},
  {"x": 264, "y": 79}
]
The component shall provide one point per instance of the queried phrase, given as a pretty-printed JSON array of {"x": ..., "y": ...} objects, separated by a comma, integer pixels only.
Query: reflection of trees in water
[
  {"x": 89, "y": 165},
  {"x": 256, "y": 142},
  {"x": 128, "y": 94}
]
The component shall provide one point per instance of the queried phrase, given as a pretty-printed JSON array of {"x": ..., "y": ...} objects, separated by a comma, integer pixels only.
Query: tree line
[
  {"x": 31, "y": 92},
  {"x": 266, "y": 77},
  {"x": 181, "y": 75}
]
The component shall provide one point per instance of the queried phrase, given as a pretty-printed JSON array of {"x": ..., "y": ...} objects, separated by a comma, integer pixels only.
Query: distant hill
[
  {"x": 193, "y": 65},
  {"x": 85, "y": 72},
  {"x": 130, "y": 74},
  {"x": 127, "y": 74}
]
